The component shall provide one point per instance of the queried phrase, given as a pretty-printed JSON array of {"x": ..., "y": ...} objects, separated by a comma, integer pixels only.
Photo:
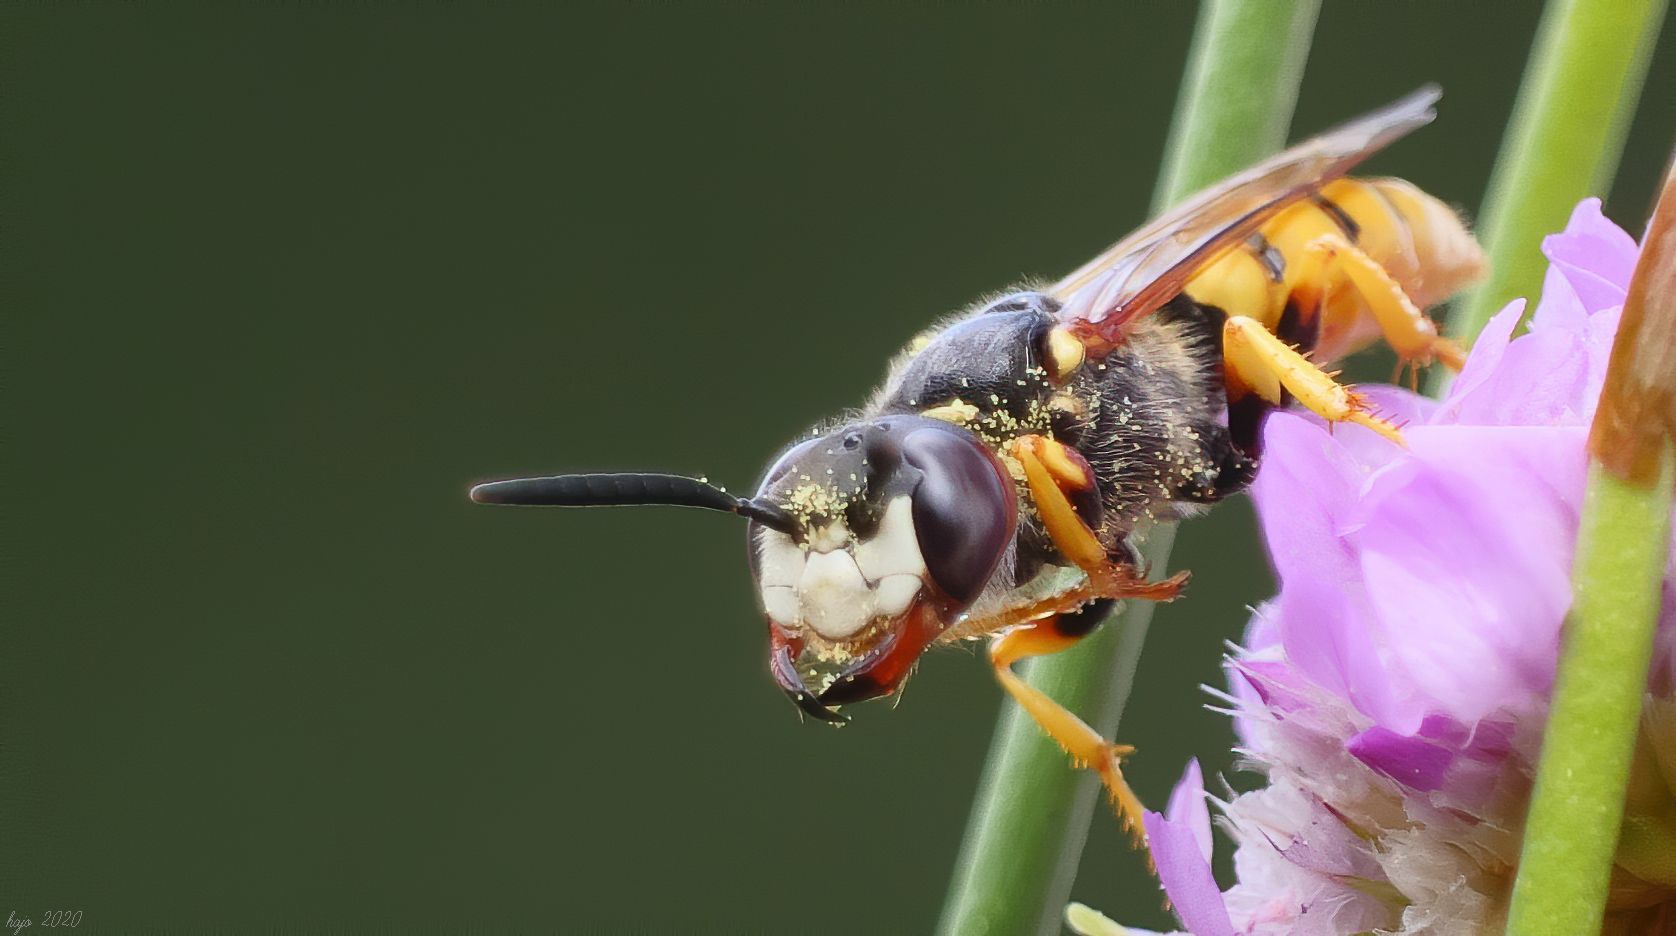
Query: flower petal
[
  {"x": 1542, "y": 378},
  {"x": 1467, "y": 563},
  {"x": 1306, "y": 498},
  {"x": 1186, "y": 877},
  {"x": 1482, "y": 363},
  {"x": 1414, "y": 762},
  {"x": 1187, "y": 806},
  {"x": 1297, "y": 877},
  {"x": 1594, "y": 258}
]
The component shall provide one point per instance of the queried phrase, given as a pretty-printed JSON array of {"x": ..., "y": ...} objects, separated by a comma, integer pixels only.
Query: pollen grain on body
[{"x": 813, "y": 500}]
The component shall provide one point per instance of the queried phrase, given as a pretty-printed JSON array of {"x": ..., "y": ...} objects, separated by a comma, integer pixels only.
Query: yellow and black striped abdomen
[{"x": 1417, "y": 239}]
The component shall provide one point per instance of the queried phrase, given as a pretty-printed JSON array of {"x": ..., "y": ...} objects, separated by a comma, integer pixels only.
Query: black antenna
[{"x": 630, "y": 490}]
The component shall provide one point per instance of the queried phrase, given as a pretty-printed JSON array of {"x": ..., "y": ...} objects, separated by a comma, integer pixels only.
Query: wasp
[{"x": 997, "y": 484}]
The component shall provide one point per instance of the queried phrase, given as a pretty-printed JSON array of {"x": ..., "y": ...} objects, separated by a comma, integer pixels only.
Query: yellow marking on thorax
[
  {"x": 1064, "y": 353},
  {"x": 955, "y": 411}
]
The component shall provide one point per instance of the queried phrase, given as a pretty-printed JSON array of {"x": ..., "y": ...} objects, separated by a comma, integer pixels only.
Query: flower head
[{"x": 1393, "y": 692}]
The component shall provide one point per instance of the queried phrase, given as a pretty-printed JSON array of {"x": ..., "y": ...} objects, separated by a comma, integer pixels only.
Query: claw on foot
[
  {"x": 1123, "y": 799},
  {"x": 1449, "y": 354},
  {"x": 1362, "y": 415},
  {"x": 1120, "y": 581}
]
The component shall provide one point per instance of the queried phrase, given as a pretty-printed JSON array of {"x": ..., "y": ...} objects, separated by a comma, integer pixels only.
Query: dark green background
[{"x": 281, "y": 280}]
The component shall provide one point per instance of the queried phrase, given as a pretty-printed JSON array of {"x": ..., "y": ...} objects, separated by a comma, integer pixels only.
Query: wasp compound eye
[{"x": 965, "y": 509}]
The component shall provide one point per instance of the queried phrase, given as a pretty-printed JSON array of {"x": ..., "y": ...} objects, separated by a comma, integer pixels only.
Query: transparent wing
[{"x": 1135, "y": 276}]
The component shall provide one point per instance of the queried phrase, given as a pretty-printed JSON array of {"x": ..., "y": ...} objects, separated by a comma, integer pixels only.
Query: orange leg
[
  {"x": 1085, "y": 745},
  {"x": 1050, "y": 625}
]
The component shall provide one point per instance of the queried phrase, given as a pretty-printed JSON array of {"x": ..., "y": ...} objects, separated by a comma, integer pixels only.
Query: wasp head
[
  {"x": 898, "y": 523},
  {"x": 866, "y": 543}
]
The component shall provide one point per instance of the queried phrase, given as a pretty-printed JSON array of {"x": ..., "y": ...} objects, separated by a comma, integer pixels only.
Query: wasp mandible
[{"x": 997, "y": 483}]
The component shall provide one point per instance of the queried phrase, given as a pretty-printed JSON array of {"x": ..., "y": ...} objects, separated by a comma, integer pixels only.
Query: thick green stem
[
  {"x": 1572, "y": 832},
  {"x": 1579, "y": 92},
  {"x": 1031, "y": 815}
]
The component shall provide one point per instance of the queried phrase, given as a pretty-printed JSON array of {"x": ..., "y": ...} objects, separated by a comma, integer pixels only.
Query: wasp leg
[
  {"x": 1085, "y": 745},
  {"x": 1053, "y": 472},
  {"x": 1333, "y": 260},
  {"x": 1050, "y": 470},
  {"x": 1258, "y": 362}
]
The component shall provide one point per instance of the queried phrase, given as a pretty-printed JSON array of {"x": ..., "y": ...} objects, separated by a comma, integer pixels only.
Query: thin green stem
[
  {"x": 1032, "y": 811},
  {"x": 1571, "y": 834},
  {"x": 1236, "y": 103},
  {"x": 1579, "y": 92}
]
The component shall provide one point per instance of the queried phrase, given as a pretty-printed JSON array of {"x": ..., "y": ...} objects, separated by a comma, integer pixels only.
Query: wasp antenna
[
  {"x": 604, "y": 490},
  {"x": 769, "y": 515},
  {"x": 634, "y": 489}
]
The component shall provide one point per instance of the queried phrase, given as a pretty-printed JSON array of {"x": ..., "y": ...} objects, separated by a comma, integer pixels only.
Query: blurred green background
[{"x": 283, "y": 279}]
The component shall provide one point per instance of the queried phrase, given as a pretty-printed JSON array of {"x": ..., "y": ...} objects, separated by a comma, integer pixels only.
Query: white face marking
[
  {"x": 836, "y": 586},
  {"x": 779, "y": 560},
  {"x": 780, "y": 601},
  {"x": 894, "y": 548},
  {"x": 895, "y": 593},
  {"x": 835, "y": 598}
]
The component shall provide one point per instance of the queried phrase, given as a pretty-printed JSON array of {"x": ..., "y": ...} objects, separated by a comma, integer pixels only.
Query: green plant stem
[
  {"x": 1236, "y": 103},
  {"x": 1031, "y": 815},
  {"x": 1562, "y": 145},
  {"x": 1572, "y": 831}
]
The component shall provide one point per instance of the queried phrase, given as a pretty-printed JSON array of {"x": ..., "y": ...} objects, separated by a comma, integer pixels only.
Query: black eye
[{"x": 965, "y": 510}]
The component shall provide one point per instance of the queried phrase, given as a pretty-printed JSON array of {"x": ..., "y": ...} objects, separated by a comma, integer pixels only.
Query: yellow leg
[
  {"x": 1259, "y": 362},
  {"x": 1085, "y": 745},
  {"x": 1338, "y": 263}
]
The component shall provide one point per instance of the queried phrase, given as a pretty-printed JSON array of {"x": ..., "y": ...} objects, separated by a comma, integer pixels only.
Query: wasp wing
[{"x": 1102, "y": 300}]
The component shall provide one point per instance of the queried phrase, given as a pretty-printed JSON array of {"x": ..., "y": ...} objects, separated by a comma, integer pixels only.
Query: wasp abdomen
[{"x": 1281, "y": 271}]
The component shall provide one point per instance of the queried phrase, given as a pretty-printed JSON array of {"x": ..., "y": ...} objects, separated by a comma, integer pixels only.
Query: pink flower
[{"x": 1393, "y": 692}]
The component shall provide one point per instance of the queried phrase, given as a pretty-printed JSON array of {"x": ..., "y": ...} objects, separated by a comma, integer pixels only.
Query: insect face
[{"x": 900, "y": 522}]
